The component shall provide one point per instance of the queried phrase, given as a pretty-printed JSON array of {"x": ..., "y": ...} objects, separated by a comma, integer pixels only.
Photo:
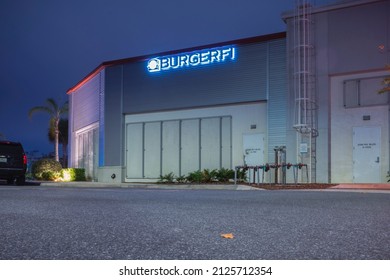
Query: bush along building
[{"x": 302, "y": 103}]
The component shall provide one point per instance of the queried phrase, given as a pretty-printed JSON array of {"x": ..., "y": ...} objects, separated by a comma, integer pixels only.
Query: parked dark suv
[{"x": 13, "y": 162}]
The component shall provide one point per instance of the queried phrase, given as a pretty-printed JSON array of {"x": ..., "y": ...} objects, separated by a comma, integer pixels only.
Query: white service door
[
  {"x": 367, "y": 154},
  {"x": 253, "y": 149}
]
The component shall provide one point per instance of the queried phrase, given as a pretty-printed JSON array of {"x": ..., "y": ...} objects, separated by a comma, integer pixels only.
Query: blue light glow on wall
[{"x": 192, "y": 59}]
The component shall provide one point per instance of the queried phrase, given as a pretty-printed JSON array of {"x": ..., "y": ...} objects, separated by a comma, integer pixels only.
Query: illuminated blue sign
[{"x": 192, "y": 59}]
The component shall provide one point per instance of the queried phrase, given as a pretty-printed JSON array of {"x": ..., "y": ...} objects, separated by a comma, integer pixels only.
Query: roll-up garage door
[{"x": 177, "y": 146}]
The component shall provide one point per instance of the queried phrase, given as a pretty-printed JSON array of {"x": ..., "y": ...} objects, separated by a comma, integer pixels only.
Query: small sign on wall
[{"x": 303, "y": 148}]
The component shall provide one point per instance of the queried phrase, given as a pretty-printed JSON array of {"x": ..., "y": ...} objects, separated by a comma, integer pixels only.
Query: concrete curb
[
  {"x": 340, "y": 187},
  {"x": 149, "y": 186}
]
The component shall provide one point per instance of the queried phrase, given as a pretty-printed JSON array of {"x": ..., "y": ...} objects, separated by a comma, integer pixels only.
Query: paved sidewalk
[
  {"x": 362, "y": 186},
  {"x": 346, "y": 186},
  {"x": 151, "y": 186}
]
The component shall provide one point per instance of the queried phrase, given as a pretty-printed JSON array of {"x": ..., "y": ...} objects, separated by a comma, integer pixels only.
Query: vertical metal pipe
[{"x": 235, "y": 175}]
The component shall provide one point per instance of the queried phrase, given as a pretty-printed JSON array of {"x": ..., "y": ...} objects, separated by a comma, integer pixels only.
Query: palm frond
[
  {"x": 65, "y": 108},
  {"x": 53, "y": 104},
  {"x": 38, "y": 109}
]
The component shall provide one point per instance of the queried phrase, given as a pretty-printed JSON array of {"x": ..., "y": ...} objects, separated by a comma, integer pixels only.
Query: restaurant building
[{"x": 309, "y": 95}]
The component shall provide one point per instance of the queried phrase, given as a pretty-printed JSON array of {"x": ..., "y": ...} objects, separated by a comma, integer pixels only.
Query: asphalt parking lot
[{"x": 40, "y": 222}]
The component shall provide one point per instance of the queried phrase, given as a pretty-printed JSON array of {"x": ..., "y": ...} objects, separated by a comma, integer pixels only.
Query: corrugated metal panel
[
  {"x": 101, "y": 118},
  {"x": 242, "y": 80},
  {"x": 113, "y": 116},
  {"x": 72, "y": 140},
  {"x": 85, "y": 103},
  {"x": 277, "y": 102}
]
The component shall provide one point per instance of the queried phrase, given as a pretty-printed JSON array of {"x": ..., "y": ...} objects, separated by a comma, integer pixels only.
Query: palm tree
[
  {"x": 55, "y": 112},
  {"x": 62, "y": 137}
]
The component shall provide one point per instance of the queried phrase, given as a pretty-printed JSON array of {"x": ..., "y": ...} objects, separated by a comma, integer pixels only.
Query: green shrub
[
  {"x": 45, "y": 168},
  {"x": 73, "y": 174},
  {"x": 79, "y": 174},
  {"x": 241, "y": 175},
  {"x": 209, "y": 176},
  {"x": 195, "y": 177},
  {"x": 167, "y": 178},
  {"x": 50, "y": 175},
  {"x": 181, "y": 179},
  {"x": 224, "y": 175}
]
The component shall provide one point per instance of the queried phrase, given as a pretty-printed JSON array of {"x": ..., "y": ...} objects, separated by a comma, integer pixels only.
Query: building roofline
[
  {"x": 331, "y": 7},
  {"x": 105, "y": 64}
]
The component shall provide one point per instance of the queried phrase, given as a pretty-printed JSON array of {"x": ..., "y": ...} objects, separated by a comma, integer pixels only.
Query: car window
[{"x": 6, "y": 149}]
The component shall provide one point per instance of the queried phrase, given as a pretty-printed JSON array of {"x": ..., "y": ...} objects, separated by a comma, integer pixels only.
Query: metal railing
[{"x": 263, "y": 169}]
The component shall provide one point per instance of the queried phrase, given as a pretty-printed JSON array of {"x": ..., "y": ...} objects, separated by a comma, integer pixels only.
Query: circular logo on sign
[{"x": 154, "y": 65}]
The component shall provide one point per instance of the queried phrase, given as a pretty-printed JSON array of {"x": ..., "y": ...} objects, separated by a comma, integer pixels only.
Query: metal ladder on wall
[{"x": 304, "y": 81}]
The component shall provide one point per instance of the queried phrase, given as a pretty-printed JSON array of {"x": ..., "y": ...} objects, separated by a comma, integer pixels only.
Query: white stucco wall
[{"x": 342, "y": 121}]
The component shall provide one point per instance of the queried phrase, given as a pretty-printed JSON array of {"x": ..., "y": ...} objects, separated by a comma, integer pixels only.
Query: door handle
[{"x": 377, "y": 160}]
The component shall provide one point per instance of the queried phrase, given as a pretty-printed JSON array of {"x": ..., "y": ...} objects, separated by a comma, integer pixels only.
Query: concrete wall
[
  {"x": 354, "y": 35},
  {"x": 346, "y": 43},
  {"x": 342, "y": 122}
]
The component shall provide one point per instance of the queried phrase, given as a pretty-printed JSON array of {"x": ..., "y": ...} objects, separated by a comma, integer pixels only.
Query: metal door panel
[
  {"x": 189, "y": 146},
  {"x": 134, "y": 150},
  {"x": 170, "y": 147},
  {"x": 367, "y": 154},
  {"x": 152, "y": 156}
]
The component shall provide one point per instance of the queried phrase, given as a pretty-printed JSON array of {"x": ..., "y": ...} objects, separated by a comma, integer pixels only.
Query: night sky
[{"x": 47, "y": 46}]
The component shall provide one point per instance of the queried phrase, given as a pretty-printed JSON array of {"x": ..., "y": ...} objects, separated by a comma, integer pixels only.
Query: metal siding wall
[
  {"x": 85, "y": 103},
  {"x": 130, "y": 89},
  {"x": 86, "y": 107},
  {"x": 101, "y": 118},
  {"x": 72, "y": 135},
  {"x": 242, "y": 80},
  {"x": 277, "y": 102},
  {"x": 113, "y": 148}
]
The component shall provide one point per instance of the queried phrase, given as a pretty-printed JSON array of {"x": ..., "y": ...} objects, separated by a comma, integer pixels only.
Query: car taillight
[{"x": 25, "y": 159}]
